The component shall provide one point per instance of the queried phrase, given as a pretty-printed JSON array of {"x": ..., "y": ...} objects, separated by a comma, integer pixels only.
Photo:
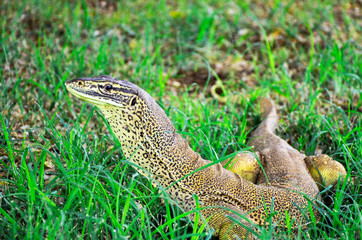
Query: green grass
[{"x": 63, "y": 175}]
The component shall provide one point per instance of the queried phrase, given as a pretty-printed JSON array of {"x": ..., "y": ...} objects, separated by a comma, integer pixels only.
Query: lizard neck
[
  {"x": 149, "y": 139},
  {"x": 168, "y": 145}
]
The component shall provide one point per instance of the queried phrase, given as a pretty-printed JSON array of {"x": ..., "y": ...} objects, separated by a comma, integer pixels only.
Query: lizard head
[
  {"x": 104, "y": 91},
  {"x": 131, "y": 112}
]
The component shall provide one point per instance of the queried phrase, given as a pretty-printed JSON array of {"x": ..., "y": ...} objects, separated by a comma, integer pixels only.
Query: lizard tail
[
  {"x": 269, "y": 115},
  {"x": 263, "y": 136}
]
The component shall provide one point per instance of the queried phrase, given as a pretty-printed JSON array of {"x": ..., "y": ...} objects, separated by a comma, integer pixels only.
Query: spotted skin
[{"x": 149, "y": 140}]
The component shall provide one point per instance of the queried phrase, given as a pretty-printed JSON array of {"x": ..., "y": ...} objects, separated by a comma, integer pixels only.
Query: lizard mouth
[{"x": 84, "y": 96}]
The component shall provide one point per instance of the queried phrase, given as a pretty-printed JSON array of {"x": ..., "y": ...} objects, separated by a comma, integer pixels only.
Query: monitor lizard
[{"x": 286, "y": 193}]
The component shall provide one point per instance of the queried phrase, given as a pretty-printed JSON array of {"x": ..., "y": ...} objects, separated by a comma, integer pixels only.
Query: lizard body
[{"x": 149, "y": 139}]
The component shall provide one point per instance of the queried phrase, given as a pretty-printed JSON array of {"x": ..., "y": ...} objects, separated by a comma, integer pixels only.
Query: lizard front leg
[{"x": 224, "y": 218}]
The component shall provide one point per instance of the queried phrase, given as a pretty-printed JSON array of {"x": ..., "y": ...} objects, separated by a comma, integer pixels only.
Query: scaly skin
[{"x": 149, "y": 140}]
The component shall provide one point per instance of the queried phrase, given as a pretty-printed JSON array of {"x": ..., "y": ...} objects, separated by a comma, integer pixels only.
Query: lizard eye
[{"x": 108, "y": 87}]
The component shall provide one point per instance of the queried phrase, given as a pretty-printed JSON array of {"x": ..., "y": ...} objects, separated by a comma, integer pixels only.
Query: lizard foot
[{"x": 324, "y": 170}]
